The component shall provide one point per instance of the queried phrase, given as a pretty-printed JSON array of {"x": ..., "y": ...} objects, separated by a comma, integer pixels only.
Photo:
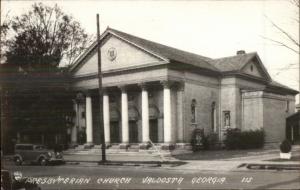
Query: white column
[
  {"x": 145, "y": 114},
  {"x": 215, "y": 119},
  {"x": 125, "y": 130},
  {"x": 74, "y": 135},
  {"x": 89, "y": 119},
  {"x": 56, "y": 138},
  {"x": 167, "y": 113},
  {"x": 180, "y": 115},
  {"x": 106, "y": 117},
  {"x": 74, "y": 128}
]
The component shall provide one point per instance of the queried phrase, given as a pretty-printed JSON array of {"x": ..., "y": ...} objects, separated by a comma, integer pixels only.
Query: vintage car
[{"x": 34, "y": 153}]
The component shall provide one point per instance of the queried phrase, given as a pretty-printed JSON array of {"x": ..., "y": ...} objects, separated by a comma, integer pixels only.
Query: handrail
[{"x": 160, "y": 154}]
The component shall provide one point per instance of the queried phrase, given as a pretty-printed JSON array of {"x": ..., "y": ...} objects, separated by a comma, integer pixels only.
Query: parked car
[
  {"x": 36, "y": 153},
  {"x": 15, "y": 181}
]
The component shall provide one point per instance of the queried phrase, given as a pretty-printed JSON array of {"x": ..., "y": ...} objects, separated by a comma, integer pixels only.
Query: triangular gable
[
  {"x": 116, "y": 53},
  {"x": 165, "y": 53},
  {"x": 254, "y": 67}
]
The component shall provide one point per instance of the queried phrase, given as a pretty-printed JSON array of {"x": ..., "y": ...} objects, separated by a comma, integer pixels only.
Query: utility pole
[{"x": 100, "y": 91}]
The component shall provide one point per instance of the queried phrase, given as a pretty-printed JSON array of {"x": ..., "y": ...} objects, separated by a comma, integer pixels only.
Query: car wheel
[
  {"x": 43, "y": 162},
  {"x": 18, "y": 161}
]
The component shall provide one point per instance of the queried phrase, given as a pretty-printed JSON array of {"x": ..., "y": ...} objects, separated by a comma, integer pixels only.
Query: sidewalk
[
  {"x": 221, "y": 160},
  {"x": 218, "y": 160}
]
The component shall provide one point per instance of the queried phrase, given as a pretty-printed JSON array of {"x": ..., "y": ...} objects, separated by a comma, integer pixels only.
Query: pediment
[
  {"x": 256, "y": 69},
  {"x": 116, "y": 53}
]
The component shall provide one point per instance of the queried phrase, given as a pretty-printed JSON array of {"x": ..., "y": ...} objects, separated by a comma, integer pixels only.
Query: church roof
[
  {"x": 232, "y": 64},
  {"x": 274, "y": 84},
  {"x": 168, "y": 52}
]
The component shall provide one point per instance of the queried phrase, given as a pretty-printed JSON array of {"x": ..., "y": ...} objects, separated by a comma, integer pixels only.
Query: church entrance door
[
  {"x": 153, "y": 130},
  {"x": 133, "y": 132},
  {"x": 114, "y": 132}
]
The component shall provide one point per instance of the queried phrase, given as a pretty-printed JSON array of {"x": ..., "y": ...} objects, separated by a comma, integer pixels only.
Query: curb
[
  {"x": 131, "y": 163},
  {"x": 273, "y": 166}
]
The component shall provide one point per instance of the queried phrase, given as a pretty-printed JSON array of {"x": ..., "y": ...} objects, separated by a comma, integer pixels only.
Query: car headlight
[{"x": 17, "y": 175}]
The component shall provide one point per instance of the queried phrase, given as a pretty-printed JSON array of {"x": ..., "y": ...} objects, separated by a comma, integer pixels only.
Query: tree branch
[
  {"x": 283, "y": 31},
  {"x": 281, "y": 44}
]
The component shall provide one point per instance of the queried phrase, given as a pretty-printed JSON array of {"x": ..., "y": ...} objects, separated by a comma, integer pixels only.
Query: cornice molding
[{"x": 147, "y": 67}]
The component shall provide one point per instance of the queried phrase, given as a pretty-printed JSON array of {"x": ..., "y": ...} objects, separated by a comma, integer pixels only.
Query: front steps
[{"x": 132, "y": 149}]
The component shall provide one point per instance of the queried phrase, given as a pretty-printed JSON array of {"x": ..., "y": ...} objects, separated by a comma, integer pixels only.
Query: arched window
[
  {"x": 227, "y": 118},
  {"x": 213, "y": 117},
  {"x": 193, "y": 111}
]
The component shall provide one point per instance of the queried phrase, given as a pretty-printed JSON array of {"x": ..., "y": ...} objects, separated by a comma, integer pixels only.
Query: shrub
[
  {"x": 210, "y": 141},
  {"x": 237, "y": 139},
  {"x": 285, "y": 146},
  {"x": 233, "y": 138}
]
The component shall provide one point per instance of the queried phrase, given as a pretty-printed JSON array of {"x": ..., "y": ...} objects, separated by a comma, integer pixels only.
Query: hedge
[{"x": 237, "y": 139}]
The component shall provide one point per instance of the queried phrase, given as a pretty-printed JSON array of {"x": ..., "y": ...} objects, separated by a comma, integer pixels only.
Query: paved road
[{"x": 92, "y": 176}]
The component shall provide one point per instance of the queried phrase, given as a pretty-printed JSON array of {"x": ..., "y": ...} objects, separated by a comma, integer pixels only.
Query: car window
[
  {"x": 24, "y": 147},
  {"x": 39, "y": 147}
]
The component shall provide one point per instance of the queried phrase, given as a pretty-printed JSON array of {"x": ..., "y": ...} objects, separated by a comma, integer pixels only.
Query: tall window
[
  {"x": 213, "y": 116},
  {"x": 83, "y": 114},
  {"x": 287, "y": 106},
  {"x": 193, "y": 111},
  {"x": 226, "y": 118}
]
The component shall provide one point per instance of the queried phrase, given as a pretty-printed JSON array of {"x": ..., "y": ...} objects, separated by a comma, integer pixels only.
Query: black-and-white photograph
[{"x": 144, "y": 94}]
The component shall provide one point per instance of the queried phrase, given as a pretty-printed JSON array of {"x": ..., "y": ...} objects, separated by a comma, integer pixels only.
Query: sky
[{"x": 213, "y": 29}]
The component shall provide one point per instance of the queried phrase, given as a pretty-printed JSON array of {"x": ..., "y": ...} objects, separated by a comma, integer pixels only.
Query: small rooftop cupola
[{"x": 241, "y": 52}]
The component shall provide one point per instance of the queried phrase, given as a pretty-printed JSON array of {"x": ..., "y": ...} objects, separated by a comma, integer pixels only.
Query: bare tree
[{"x": 293, "y": 43}]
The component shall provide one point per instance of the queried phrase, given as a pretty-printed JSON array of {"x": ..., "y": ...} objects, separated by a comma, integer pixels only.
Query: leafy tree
[
  {"x": 3, "y": 34},
  {"x": 43, "y": 37},
  {"x": 43, "y": 111},
  {"x": 36, "y": 41}
]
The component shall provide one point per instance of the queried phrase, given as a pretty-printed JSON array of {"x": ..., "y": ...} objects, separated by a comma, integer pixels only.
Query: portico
[{"x": 136, "y": 113}]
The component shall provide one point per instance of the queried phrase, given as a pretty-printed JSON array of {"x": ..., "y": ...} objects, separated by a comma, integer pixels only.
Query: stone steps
[{"x": 133, "y": 149}]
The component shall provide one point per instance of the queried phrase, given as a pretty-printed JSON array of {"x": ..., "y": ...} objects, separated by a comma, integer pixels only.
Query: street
[{"x": 92, "y": 176}]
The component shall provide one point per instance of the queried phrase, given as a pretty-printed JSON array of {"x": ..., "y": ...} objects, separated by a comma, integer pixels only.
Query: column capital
[
  {"x": 143, "y": 85},
  {"x": 74, "y": 101},
  {"x": 105, "y": 90},
  {"x": 180, "y": 86},
  {"x": 122, "y": 88},
  {"x": 79, "y": 97},
  {"x": 87, "y": 93},
  {"x": 166, "y": 83}
]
